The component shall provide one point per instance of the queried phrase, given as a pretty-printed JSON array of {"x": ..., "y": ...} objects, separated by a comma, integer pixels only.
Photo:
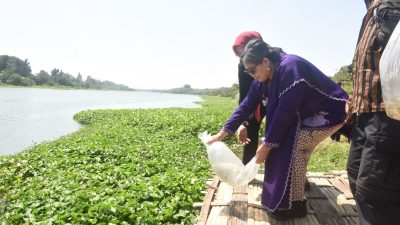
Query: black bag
[{"x": 387, "y": 15}]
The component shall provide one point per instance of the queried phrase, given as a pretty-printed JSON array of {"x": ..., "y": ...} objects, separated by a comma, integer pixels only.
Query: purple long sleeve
[
  {"x": 299, "y": 90},
  {"x": 254, "y": 97},
  {"x": 284, "y": 115}
]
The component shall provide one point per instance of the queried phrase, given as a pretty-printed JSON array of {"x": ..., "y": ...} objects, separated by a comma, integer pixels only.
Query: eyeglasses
[{"x": 252, "y": 69}]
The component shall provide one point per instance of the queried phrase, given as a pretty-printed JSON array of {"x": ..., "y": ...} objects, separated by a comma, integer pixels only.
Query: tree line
[
  {"x": 343, "y": 76},
  {"x": 222, "y": 91},
  {"x": 14, "y": 71}
]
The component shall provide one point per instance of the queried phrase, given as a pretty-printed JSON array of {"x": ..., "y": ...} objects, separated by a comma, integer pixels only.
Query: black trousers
[
  {"x": 249, "y": 150},
  {"x": 374, "y": 168}
]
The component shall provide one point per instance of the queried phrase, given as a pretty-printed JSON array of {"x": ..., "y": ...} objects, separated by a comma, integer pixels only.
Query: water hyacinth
[{"x": 143, "y": 166}]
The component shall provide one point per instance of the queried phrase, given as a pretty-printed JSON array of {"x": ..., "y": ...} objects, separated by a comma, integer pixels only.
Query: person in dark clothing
[
  {"x": 373, "y": 165},
  {"x": 247, "y": 133}
]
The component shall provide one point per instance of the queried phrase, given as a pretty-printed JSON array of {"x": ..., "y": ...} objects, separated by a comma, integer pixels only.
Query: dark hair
[{"x": 256, "y": 50}]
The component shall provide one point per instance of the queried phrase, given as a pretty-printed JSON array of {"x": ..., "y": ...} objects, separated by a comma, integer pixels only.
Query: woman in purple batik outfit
[{"x": 304, "y": 107}]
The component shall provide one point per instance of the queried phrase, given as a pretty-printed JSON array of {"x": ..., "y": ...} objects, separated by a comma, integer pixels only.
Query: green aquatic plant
[{"x": 142, "y": 166}]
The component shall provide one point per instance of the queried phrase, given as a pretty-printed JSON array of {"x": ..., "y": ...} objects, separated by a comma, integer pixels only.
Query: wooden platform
[{"x": 329, "y": 201}]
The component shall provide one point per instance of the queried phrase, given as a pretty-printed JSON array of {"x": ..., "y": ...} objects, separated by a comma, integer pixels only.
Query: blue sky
[{"x": 165, "y": 44}]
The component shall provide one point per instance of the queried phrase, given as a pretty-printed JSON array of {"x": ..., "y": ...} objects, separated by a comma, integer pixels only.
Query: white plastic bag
[
  {"x": 227, "y": 165},
  {"x": 389, "y": 68}
]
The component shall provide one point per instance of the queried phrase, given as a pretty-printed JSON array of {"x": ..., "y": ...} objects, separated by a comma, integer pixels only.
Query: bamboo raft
[{"x": 329, "y": 201}]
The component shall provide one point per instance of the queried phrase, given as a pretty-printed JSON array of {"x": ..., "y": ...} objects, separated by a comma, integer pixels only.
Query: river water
[{"x": 29, "y": 116}]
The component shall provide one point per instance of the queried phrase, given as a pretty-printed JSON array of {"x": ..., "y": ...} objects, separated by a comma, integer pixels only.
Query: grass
[
  {"x": 329, "y": 155},
  {"x": 143, "y": 166}
]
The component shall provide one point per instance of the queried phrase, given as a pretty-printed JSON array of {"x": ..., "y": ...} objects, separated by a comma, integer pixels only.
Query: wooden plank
[
  {"x": 345, "y": 207},
  {"x": 258, "y": 206},
  {"x": 338, "y": 184},
  {"x": 224, "y": 195},
  {"x": 332, "y": 198},
  {"x": 214, "y": 216},
  {"x": 355, "y": 219},
  {"x": 335, "y": 173},
  {"x": 207, "y": 202},
  {"x": 250, "y": 216},
  {"x": 255, "y": 195},
  {"x": 318, "y": 175},
  {"x": 314, "y": 192},
  {"x": 312, "y": 219},
  {"x": 349, "y": 205},
  {"x": 345, "y": 181},
  {"x": 325, "y": 212},
  {"x": 223, "y": 216},
  {"x": 264, "y": 217},
  {"x": 238, "y": 210},
  {"x": 350, "y": 209},
  {"x": 349, "y": 221},
  {"x": 220, "y": 214},
  {"x": 257, "y": 216},
  {"x": 250, "y": 194},
  {"x": 300, "y": 221},
  {"x": 327, "y": 203},
  {"x": 320, "y": 181},
  {"x": 347, "y": 193}
]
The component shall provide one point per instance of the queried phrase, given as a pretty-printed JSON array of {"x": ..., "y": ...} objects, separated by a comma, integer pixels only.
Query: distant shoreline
[{"x": 59, "y": 87}]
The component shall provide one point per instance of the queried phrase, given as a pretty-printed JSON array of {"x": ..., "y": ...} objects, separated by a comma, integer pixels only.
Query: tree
[
  {"x": 66, "y": 79},
  {"x": 23, "y": 68},
  {"x": 16, "y": 79},
  {"x": 345, "y": 78},
  {"x": 13, "y": 65},
  {"x": 18, "y": 72},
  {"x": 56, "y": 72},
  {"x": 92, "y": 83},
  {"x": 42, "y": 78},
  {"x": 79, "y": 81}
]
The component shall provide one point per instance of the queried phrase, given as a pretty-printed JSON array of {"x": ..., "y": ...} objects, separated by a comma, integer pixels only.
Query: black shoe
[{"x": 299, "y": 209}]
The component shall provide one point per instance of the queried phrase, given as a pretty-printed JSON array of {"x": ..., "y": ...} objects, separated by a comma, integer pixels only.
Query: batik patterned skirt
[{"x": 286, "y": 166}]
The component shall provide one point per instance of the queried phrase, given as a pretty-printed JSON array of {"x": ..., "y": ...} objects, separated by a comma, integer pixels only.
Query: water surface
[{"x": 31, "y": 115}]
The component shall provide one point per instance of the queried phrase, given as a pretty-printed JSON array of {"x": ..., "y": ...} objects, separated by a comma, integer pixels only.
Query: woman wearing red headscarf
[{"x": 247, "y": 133}]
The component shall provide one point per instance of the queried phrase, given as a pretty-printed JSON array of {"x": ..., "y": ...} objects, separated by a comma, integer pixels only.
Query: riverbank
[
  {"x": 58, "y": 87},
  {"x": 143, "y": 166}
]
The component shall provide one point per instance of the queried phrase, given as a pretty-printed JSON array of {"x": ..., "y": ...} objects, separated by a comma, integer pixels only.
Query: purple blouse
[{"x": 298, "y": 89}]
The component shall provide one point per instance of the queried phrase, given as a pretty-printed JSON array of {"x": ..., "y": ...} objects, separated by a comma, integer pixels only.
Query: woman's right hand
[{"x": 217, "y": 137}]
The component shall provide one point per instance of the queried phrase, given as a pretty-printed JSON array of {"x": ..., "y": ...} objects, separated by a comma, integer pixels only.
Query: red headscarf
[{"x": 245, "y": 37}]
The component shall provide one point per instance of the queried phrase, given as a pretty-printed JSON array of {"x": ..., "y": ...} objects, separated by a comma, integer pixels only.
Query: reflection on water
[{"x": 29, "y": 116}]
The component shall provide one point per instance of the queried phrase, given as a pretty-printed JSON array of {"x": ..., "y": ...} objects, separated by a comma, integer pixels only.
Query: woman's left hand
[
  {"x": 242, "y": 135},
  {"x": 262, "y": 153}
]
